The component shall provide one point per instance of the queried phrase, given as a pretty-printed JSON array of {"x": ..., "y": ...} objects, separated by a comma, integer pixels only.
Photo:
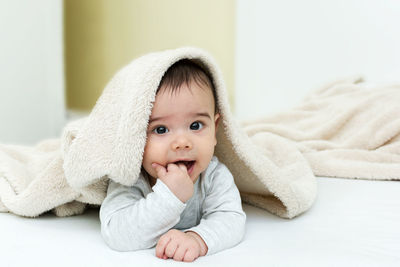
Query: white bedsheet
[{"x": 352, "y": 223}]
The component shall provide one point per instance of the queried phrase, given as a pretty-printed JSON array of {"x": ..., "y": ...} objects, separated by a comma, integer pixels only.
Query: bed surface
[{"x": 352, "y": 223}]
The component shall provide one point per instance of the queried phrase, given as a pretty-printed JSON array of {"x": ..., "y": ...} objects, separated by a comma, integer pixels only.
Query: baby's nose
[{"x": 182, "y": 143}]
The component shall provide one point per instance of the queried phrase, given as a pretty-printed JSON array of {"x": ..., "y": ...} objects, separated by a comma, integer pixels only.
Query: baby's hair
[{"x": 183, "y": 72}]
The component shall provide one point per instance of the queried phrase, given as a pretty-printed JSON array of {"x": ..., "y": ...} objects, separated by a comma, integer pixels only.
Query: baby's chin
[
  {"x": 196, "y": 173},
  {"x": 194, "y": 179}
]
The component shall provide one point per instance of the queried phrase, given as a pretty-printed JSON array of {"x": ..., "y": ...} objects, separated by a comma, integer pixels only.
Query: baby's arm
[
  {"x": 129, "y": 221},
  {"x": 223, "y": 222},
  {"x": 176, "y": 244}
]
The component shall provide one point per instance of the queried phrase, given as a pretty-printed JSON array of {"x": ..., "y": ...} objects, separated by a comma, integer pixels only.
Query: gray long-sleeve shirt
[{"x": 135, "y": 217}]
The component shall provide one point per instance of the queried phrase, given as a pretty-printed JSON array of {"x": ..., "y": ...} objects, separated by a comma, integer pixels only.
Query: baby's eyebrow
[
  {"x": 198, "y": 114},
  {"x": 155, "y": 119},
  {"x": 203, "y": 114}
]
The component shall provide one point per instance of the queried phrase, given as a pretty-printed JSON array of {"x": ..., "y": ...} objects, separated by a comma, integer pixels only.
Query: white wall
[
  {"x": 31, "y": 70},
  {"x": 286, "y": 48}
]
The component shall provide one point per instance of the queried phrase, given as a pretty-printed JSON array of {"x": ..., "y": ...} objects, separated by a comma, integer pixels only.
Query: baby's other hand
[
  {"x": 176, "y": 177},
  {"x": 180, "y": 246}
]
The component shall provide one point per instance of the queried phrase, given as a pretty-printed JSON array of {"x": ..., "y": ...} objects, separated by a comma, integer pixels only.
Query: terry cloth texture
[
  {"x": 66, "y": 174},
  {"x": 345, "y": 129}
]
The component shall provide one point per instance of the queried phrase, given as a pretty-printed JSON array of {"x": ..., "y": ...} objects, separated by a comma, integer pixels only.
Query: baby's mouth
[{"x": 188, "y": 163}]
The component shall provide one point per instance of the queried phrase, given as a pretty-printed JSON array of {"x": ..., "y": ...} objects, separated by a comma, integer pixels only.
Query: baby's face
[{"x": 182, "y": 127}]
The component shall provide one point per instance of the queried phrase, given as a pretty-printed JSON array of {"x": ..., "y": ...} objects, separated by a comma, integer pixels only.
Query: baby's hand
[
  {"x": 180, "y": 246},
  {"x": 177, "y": 180}
]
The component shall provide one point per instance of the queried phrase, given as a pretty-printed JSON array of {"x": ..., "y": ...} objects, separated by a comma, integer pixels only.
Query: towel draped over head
[
  {"x": 269, "y": 171},
  {"x": 66, "y": 174}
]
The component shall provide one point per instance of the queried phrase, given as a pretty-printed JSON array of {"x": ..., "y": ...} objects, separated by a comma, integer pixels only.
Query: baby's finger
[
  {"x": 161, "y": 244},
  {"x": 172, "y": 167},
  {"x": 170, "y": 248},
  {"x": 161, "y": 171},
  {"x": 180, "y": 253},
  {"x": 182, "y": 167},
  {"x": 190, "y": 255}
]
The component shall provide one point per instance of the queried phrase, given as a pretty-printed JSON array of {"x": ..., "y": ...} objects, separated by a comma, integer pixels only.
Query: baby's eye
[
  {"x": 196, "y": 125},
  {"x": 160, "y": 130}
]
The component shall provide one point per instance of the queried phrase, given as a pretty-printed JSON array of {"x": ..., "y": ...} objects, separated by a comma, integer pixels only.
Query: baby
[{"x": 185, "y": 201}]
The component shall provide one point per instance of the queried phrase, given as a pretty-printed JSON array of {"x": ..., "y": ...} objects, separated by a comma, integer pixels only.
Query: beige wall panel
[{"x": 102, "y": 36}]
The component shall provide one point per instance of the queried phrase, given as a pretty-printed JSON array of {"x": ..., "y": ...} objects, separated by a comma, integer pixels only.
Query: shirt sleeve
[
  {"x": 223, "y": 220},
  {"x": 131, "y": 221}
]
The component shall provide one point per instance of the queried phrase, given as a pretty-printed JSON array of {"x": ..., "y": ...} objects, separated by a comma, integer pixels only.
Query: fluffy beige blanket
[
  {"x": 66, "y": 174},
  {"x": 345, "y": 129}
]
